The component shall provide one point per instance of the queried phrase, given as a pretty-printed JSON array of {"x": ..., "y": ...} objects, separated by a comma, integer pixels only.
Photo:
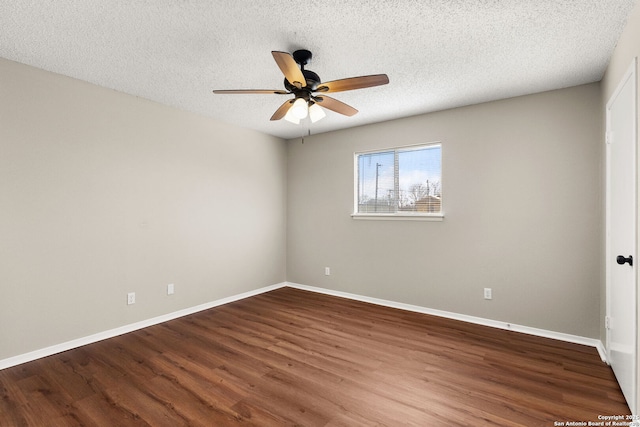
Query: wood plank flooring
[{"x": 296, "y": 358}]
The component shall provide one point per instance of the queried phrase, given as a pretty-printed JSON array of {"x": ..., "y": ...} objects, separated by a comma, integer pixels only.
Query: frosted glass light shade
[
  {"x": 299, "y": 108},
  {"x": 291, "y": 118},
  {"x": 316, "y": 113}
]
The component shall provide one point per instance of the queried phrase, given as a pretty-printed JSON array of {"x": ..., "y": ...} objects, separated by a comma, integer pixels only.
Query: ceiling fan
[{"x": 308, "y": 89}]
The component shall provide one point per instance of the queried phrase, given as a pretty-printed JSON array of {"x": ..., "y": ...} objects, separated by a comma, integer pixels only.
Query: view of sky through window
[{"x": 400, "y": 180}]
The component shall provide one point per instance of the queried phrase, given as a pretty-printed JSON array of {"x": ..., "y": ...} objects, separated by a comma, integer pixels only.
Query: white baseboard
[
  {"x": 591, "y": 342},
  {"x": 58, "y": 348}
]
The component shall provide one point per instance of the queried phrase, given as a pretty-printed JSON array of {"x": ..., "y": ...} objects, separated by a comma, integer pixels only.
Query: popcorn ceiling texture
[{"x": 438, "y": 54}]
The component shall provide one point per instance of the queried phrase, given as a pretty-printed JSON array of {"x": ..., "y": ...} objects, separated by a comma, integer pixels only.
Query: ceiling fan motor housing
[
  {"x": 313, "y": 80},
  {"x": 302, "y": 58}
]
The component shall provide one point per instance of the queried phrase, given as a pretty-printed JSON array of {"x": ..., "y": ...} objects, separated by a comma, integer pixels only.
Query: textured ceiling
[{"x": 438, "y": 54}]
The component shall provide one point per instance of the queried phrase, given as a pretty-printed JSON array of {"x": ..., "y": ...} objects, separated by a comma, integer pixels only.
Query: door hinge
[
  {"x": 609, "y": 137},
  {"x": 607, "y": 322}
]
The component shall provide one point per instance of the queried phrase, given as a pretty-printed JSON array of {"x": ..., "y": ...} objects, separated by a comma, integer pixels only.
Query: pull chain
[{"x": 308, "y": 134}]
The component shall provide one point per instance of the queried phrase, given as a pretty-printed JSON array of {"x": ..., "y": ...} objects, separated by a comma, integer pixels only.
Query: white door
[{"x": 621, "y": 262}]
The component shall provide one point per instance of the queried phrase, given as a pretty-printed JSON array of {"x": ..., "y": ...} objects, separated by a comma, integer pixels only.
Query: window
[{"x": 399, "y": 182}]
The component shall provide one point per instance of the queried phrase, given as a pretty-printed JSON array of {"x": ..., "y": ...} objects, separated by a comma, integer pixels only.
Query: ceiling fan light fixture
[
  {"x": 291, "y": 118},
  {"x": 299, "y": 109},
  {"x": 316, "y": 112}
]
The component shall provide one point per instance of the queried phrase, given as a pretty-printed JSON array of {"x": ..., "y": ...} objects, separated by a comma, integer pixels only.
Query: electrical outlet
[
  {"x": 131, "y": 298},
  {"x": 170, "y": 289},
  {"x": 487, "y": 293},
  {"x": 327, "y": 271}
]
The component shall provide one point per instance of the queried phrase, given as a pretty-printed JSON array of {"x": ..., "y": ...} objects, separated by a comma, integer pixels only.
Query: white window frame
[{"x": 400, "y": 215}]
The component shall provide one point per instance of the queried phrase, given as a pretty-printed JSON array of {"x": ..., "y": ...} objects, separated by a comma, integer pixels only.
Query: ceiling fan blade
[
  {"x": 335, "y": 105},
  {"x": 289, "y": 68},
  {"x": 251, "y": 91},
  {"x": 353, "y": 83},
  {"x": 282, "y": 110}
]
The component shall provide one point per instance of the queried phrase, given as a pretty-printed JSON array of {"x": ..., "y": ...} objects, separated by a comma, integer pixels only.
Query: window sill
[{"x": 398, "y": 217}]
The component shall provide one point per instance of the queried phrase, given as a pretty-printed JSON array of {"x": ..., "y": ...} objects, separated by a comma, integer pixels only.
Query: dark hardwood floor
[{"x": 291, "y": 357}]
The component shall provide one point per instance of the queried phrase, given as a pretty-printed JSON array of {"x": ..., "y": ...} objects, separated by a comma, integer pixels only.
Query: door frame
[{"x": 629, "y": 75}]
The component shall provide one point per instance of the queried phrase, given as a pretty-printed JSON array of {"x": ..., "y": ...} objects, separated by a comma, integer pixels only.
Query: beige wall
[
  {"x": 103, "y": 193},
  {"x": 627, "y": 49},
  {"x": 523, "y": 214}
]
